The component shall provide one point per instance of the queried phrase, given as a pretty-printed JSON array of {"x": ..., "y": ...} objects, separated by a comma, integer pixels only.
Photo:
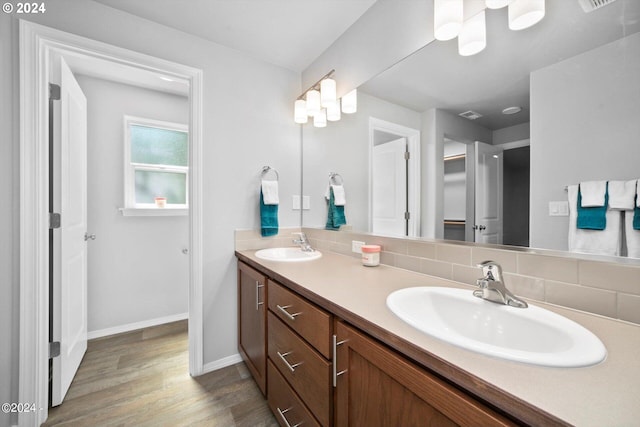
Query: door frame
[
  {"x": 37, "y": 42},
  {"x": 413, "y": 143}
]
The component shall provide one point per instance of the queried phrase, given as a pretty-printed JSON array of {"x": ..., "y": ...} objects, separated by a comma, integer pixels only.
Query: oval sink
[
  {"x": 530, "y": 335},
  {"x": 293, "y": 254}
]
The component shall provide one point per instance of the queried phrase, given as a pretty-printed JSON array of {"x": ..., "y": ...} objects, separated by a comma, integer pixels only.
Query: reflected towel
[
  {"x": 636, "y": 215},
  {"x": 601, "y": 242},
  {"x": 632, "y": 231},
  {"x": 622, "y": 194},
  {"x": 592, "y": 218},
  {"x": 268, "y": 218},
  {"x": 593, "y": 193},
  {"x": 335, "y": 215},
  {"x": 270, "y": 192}
]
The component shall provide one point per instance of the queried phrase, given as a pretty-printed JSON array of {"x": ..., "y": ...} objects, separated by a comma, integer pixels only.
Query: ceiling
[
  {"x": 288, "y": 33},
  {"x": 498, "y": 77}
]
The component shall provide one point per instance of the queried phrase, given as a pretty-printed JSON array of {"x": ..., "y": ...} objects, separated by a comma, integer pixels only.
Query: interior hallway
[{"x": 141, "y": 378}]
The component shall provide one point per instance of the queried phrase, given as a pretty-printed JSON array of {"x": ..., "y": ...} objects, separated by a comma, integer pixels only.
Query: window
[{"x": 156, "y": 164}]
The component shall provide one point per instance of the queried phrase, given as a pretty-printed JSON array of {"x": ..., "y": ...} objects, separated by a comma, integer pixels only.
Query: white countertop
[{"x": 601, "y": 395}]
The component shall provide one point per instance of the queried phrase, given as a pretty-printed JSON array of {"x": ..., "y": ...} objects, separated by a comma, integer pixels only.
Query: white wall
[
  {"x": 247, "y": 124},
  {"x": 343, "y": 147},
  {"x": 137, "y": 271},
  {"x": 584, "y": 126}
]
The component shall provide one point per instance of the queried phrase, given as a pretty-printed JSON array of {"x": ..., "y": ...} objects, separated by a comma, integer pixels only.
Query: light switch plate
[
  {"x": 559, "y": 208},
  {"x": 356, "y": 246},
  {"x": 295, "y": 202},
  {"x": 306, "y": 203}
]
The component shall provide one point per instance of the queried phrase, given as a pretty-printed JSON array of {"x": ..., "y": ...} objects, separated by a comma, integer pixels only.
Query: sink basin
[
  {"x": 293, "y": 254},
  {"x": 530, "y": 335}
]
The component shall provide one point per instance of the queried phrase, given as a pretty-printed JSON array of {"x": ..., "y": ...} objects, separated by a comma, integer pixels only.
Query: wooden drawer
[
  {"x": 311, "y": 322},
  {"x": 308, "y": 373},
  {"x": 285, "y": 404}
]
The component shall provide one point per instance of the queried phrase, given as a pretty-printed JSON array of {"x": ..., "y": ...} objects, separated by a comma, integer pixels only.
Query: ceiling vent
[
  {"x": 591, "y": 5},
  {"x": 471, "y": 115}
]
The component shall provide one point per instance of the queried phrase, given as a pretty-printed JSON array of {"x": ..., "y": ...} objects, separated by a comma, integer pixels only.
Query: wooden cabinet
[
  {"x": 378, "y": 387},
  {"x": 252, "y": 322}
]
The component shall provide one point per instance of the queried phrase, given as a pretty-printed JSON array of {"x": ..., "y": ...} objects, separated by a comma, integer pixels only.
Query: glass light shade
[
  {"x": 525, "y": 13},
  {"x": 313, "y": 102},
  {"x": 447, "y": 18},
  {"x": 300, "y": 111},
  {"x": 497, "y": 4},
  {"x": 350, "y": 102},
  {"x": 333, "y": 111},
  {"x": 473, "y": 35},
  {"x": 327, "y": 92},
  {"x": 320, "y": 119}
]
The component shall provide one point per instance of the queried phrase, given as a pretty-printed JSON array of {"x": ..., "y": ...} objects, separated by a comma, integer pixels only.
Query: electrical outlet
[{"x": 356, "y": 246}]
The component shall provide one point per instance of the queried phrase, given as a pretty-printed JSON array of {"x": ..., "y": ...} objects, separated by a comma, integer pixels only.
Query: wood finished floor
[{"x": 141, "y": 378}]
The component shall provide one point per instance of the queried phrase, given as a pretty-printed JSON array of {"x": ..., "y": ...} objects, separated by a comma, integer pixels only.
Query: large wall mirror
[{"x": 494, "y": 138}]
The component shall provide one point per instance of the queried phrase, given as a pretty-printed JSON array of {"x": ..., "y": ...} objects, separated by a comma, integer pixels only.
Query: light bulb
[
  {"x": 327, "y": 92},
  {"x": 525, "y": 13},
  {"x": 320, "y": 119},
  {"x": 313, "y": 102},
  {"x": 473, "y": 35},
  {"x": 497, "y": 4},
  {"x": 333, "y": 111},
  {"x": 300, "y": 111},
  {"x": 447, "y": 18},
  {"x": 350, "y": 102}
]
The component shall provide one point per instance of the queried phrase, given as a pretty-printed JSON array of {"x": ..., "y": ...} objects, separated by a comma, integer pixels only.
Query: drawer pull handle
[
  {"x": 336, "y": 374},
  {"x": 291, "y": 367},
  {"x": 258, "y": 302},
  {"x": 286, "y": 422},
  {"x": 283, "y": 308}
]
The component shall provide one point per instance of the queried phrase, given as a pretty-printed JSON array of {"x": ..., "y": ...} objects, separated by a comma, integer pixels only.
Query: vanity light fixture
[
  {"x": 472, "y": 33},
  {"x": 320, "y": 101}
]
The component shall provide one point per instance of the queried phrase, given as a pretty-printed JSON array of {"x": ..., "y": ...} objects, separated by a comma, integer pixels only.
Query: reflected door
[
  {"x": 389, "y": 188},
  {"x": 488, "y": 193}
]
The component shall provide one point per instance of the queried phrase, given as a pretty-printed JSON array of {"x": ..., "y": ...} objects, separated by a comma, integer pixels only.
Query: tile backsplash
[{"x": 599, "y": 287}]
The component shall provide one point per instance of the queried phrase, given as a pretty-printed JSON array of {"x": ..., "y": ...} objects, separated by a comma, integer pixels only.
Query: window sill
[{"x": 154, "y": 211}]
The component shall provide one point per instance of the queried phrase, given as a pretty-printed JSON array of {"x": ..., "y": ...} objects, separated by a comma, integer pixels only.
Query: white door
[
  {"x": 488, "y": 197},
  {"x": 389, "y": 188},
  {"x": 69, "y": 310}
]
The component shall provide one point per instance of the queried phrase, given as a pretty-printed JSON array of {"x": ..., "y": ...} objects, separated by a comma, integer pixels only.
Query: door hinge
[
  {"x": 407, "y": 216},
  {"x": 54, "y": 220},
  {"x": 407, "y": 155},
  {"x": 54, "y": 92},
  {"x": 54, "y": 349}
]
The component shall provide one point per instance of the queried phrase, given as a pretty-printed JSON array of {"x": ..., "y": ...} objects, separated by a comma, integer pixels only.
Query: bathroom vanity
[{"x": 327, "y": 351}]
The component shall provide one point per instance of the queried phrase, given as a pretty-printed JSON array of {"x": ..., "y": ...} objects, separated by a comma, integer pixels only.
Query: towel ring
[
  {"x": 266, "y": 170},
  {"x": 333, "y": 178}
]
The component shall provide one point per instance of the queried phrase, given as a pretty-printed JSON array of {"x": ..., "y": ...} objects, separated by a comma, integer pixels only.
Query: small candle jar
[
  {"x": 370, "y": 255},
  {"x": 161, "y": 202}
]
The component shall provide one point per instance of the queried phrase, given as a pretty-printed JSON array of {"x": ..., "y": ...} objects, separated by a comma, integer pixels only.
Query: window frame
[{"x": 130, "y": 168}]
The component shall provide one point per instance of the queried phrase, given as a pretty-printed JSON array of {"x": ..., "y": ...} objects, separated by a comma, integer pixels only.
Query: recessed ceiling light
[{"x": 511, "y": 110}]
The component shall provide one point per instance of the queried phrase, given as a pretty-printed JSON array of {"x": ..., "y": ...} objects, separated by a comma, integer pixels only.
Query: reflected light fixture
[
  {"x": 497, "y": 4},
  {"x": 321, "y": 102},
  {"x": 447, "y": 18},
  {"x": 525, "y": 13},
  {"x": 473, "y": 35}
]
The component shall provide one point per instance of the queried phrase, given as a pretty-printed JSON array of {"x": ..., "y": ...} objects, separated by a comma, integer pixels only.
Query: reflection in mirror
[{"x": 537, "y": 110}]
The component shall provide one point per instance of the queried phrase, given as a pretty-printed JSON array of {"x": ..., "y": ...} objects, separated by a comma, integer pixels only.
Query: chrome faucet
[
  {"x": 305, "y": 246},
  {"x": 492, "y": 287}
]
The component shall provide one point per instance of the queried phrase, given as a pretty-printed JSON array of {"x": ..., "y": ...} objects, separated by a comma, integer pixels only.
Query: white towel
[
  {"x": 270, "y": 192},
  {"x": 638, "y": 192},
  {"x": 339, "y": 197},
  {"x": 621, "y": 194},
  {"x": 592, "y": 193},
  {"x": 632, "y": 236},
  {"x": 601, "y": 242}
]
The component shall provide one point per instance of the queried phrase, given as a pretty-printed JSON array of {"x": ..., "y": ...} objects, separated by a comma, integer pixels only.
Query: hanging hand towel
[
  {"x": 268, "y": 218},
  {"x": 270, "y": 192},
  {"x": 338, "y": 195},
  {"x": 622, "y": 194},
  {"x": 592, "y": 218},
  {"x": 601, "y": 242},
  {"x": 593, "y": 193},
  {"x": 632, "y": 231},
  {"x": 335, "y": 215},
  {"x": 636, "y": 209}
]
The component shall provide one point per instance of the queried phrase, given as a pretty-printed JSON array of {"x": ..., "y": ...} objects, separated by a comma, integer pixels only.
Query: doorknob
[
  {"x": 88, "y": 236},
  {"x": 479, "y": 227}
]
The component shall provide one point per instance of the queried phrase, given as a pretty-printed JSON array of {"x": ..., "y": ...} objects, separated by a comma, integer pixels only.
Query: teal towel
[
  {"x": 268, "y": 218},
  {"x": 593, "y": 218},
  {"x": 636, "y": 214},
  {"x": 335, "y": 217}
]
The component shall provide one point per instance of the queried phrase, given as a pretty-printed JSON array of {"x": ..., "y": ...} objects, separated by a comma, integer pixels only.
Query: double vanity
[{"x": 333, "y": 343}]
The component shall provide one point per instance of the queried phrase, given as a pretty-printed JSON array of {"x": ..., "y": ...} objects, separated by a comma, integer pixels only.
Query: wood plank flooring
[{"x": 141, "y": 378}]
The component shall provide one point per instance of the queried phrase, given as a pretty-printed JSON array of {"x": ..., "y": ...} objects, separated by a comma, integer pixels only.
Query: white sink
[
  {"x": 530, "y": 335},
  {"x": 294, "y": 254}
]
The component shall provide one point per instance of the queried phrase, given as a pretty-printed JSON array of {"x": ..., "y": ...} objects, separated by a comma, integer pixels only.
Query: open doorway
[{"x": 37, "y": 45}]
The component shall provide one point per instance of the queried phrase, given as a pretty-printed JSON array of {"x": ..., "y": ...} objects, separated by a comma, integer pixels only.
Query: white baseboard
[
  {"x": 221, "y": 363},
  {"x": 137, "y": 325}
]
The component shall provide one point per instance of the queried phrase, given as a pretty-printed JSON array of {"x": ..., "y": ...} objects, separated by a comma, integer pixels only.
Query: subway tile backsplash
[{"x": 604, "y": 288}]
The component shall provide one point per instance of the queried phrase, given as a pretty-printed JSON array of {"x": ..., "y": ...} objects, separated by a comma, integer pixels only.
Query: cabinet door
[
  {"x": 378, "y": 387},
  {"x": 252, "y": 322}
]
